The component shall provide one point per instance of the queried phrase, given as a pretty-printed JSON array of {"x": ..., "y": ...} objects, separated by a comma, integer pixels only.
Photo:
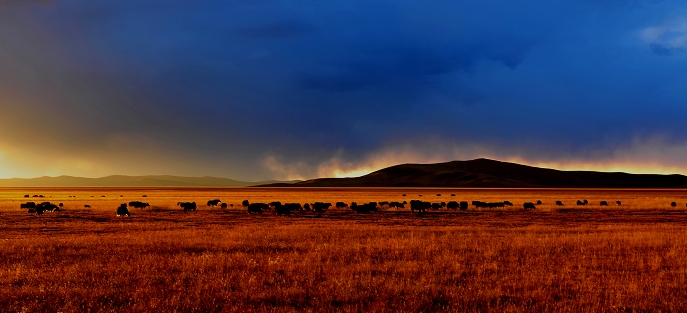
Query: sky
[{"x": 278, "y": 89}]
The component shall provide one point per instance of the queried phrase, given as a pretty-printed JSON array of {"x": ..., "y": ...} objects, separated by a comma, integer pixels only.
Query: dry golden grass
[{"x": 616, "y": 259}]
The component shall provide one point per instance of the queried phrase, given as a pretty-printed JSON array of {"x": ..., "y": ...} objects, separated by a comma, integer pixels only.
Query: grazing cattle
[
  {"x": 144, "y": 196},
  {"x": 438, "y": 195},
  {"x": 214, "y": 202},
  {"x": 273, "y": 204},
  {"x": 364, "y": 208},
  {"x": 341, "y": 205},
  {"x": 282, "y": 209},
  {"x": 436, "y": 206},
  {"x": 139, "y": 204},
  {"x": 529, "y": 206},
  {"x": 538, "y": 202},
  {"x": 26, "y": 196},
  {"x": 122, "y": 210},
  {"x": 580, "y": 202},
  {"x": 41, "y": 196},
  {"x": 224, "y": 205},
  {"x": 559, "y": 203},
  {"x": 405, "y": 202},
  {"x": 603, "y": 203},
  {"x": 404, "y": 194},
  {"x": 585, "y": 202},
  {"x": 508, "y": 203},
  {"x": 452, "y": 205},
  {"x": 257, "y": 208},
  {"x": 60, "y": 205},
  {"x": 397, "y": 205},
  {"x": 420, "y": 206},
  {"x": 306, "y": 207},
  {"x": 453, "y": 195},
  {"x": 187, "y": 206},
  {"x": 673, "y": 204},
  {"x": 87, "y": 206},
  {"x": 618, "y": 202},
  {"x": 420, "y": 195},
  {"x": 463, "y": 205},
  {"x": 121, "y": 196},
  {"x": 293, "y": 206},
  {"x": 28, "y": 205},
  {"x": 320, "y": 206},
  {"x": 47, "y": 206},
  {"x": 245, "y": 203}
]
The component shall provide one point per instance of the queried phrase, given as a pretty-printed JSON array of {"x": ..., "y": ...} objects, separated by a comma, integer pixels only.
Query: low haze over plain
[{"x": 261, "y": 89}]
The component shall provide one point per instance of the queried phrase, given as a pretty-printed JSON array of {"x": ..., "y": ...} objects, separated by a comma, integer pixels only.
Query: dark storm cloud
[
  {"x": 281, "y": 29},
  {"x": 259, "y": 89}
]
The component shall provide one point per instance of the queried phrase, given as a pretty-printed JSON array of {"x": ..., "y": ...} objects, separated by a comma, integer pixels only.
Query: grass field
[{"x": 628, "y": 258}]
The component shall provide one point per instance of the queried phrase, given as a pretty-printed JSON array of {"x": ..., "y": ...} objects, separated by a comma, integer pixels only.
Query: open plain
[{"x": 616, "y": 258}]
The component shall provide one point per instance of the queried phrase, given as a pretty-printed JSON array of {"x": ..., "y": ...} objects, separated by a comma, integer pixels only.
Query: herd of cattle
[{"x": 286, "y": 208}]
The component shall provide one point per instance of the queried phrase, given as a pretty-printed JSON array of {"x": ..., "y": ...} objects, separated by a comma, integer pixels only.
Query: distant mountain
[
  {"x": 131, "y": 181},
  {"x": 493, "y": 174}
]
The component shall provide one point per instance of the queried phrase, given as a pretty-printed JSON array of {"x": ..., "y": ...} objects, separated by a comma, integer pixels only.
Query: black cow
[
  {"x": 273, "y": 204},
  {"x": 306, "y": 207},
  {"x": 529, "y": 205},
  {"x": 420, "y": 206},
  {"x": 321, "y": 206},
  {"x": 580, "y": 202},
  {"x": 281, "y": 209},
  {"x": 26, "y": 196},
  {"x": 559, "y": 203},
  {"x": 463, "y": 205},
  {"x": 438, "y": 195},
  {"x": 245, "y": 203},
  {"x": 47, "y": 206},
  {"x": 383, "y": 204},
  {"x": 139, "y": 204},
  {"x": 585, "y": 202},
  {"x": 214, "y": 202},
  {"x": 341, "y": 205},
  {"x": 436, "y": 206},
  {"x": 257, "y": 208},
  {"x": 453, "y": 195},
  {"x": 187, "y": 206},
  {"x": 603, "y": 203},
  {"x": 618, "y": 202},
  {"x": 538, "y": 202},
  {"x": 452, "y": 205},
  {"x": 508, "y": 203},
  {"x": 224, "y": 205},
  {"x": 144, "y": 196},
  {"x": 61, "y": 204},
  {"x": 87, "y": 206},
  {"x": 293, "y": 207},
  {"x": 673, "y": 204},
  {"x": 397, "y": 205},
  {"x": 364, "y": 208},
  {"x": 28, "y": 205},
  {"x": 122, "y": 210},
  {"x": 404, "y": 194}
]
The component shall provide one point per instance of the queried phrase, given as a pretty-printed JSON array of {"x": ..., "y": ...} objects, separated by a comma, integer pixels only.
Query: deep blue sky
[{"x": 256, "y": 89}]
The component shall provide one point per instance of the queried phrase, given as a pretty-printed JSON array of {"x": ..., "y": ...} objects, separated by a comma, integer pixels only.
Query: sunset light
[{"x": 343, "y": 156}]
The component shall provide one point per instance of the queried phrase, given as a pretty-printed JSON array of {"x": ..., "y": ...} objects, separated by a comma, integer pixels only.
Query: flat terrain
[{"x": 628, "y": 258}]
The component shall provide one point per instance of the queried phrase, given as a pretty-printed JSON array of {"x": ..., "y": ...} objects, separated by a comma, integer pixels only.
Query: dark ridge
[{"x": 493, "y": 174}]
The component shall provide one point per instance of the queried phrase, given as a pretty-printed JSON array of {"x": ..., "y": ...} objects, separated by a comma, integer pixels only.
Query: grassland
[{"x": 616, "y": 259}]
